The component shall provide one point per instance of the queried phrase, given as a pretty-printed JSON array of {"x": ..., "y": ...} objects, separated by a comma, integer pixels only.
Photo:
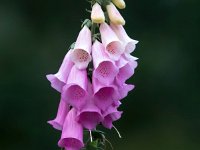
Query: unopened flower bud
[
  {"x": 119, "y": 3},
  {"x": 97, "y": 14},
  {"x": 114, "y": 15}
]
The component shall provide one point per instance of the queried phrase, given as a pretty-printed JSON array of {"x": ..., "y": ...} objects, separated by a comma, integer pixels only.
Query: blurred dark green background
[{"x": 162, "y": 113}]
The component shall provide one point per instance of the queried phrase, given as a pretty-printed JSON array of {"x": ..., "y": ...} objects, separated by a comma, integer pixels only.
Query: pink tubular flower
[
  {"x": 72, "y": 133},
  {"x": 75, "y": 91},
  {"x": 81, "y": 53},
  {"x": 90, "y": 115},
  {"x": 129, "y": 43},
  {"x": 104, "y": 95},
  {"x": 104, "y": 68},
  {"x": 110, "y": 115},
  {"x": 58, "y": 122},
  {"x": 97, "y": 14},
  {"x": 114, "y": 15},
  {"x": 126, "y": 68},
  {"x": 59, "y": 79},
  {"x": 113, "y": 46}
]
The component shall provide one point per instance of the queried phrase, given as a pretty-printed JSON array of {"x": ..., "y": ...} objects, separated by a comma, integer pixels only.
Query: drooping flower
[
  {"x": 72, "y": 133},
  {"x": 59, "y": 79},
  {"x": 97, "y": 14},
  {"x": 89, "y": 115},
  {"x": 104, "y": 95},
  {"x": 58, "y": 122},
  {"x": 104, "y": 68},
  {"x": 75, "y": 91},
  {"x": 81, "y": 53},
  {"x": 129, "y": 43},
  {"x": 123, "y": 89},
  {"x": 110, "y": 115},
  {"x": 114, "y": 15},
  {"x": 119, "y": 3},
  {"x": 111, "y": 42},
  {"x": 126, "y": 68}
]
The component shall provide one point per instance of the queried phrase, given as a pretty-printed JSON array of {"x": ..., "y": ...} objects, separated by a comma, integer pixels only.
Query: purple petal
[
  {"x": 126, "y": 69},
  {"x": 89, "y": 115},
  {"x": 123, "y": 88},
  {"x": 104, "y": 95},
  {"x": 59, "y": 79},
  {"x": 72, "y": 134},
  {"x": 104, "y": 68},
  {"x": 110, "y": 115},
  {"x": 75, "y": 91},
  {"x": 58, "y": 122}
]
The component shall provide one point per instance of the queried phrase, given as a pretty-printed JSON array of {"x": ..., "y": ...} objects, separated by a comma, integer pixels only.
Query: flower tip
[
  {"x": 114, "y": 15},
  {"x": 97, "y": 15},
  {"x": 119, "y": 3}
]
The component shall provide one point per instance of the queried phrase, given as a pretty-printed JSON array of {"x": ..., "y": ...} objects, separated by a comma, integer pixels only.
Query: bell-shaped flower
[
  {"x": 72, "y": 133},
  {"x": 104, "y": 95},
  {"x": 111, "y": 115},
  {"x": 123, "y": 89},
  {"x": 114, "y": 15},
  {"x": 104, "y": 68},
  {"x": 75, "y": 91},
  {"x": 81, "y": 52},
  {"x": 130, "y": 44},
  {"x": 90, "y": 115},
  {"x": 119, "y": 3},
  {"x": 97, "y": 14},
  {"x": 126, "y": 68},
  {"x": 59, "y": 79},
  {"x": 111, "y": 42},
  {"x": 58, "y": 122}
]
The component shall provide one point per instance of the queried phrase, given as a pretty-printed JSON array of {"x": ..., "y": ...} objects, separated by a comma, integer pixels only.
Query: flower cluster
[{"x": 92, "y": 77}]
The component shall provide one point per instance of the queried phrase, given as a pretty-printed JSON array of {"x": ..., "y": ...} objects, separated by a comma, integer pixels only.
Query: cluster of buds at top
[
  {"x": 98, "y": 16},
  {"x": 92, "y": 77}
]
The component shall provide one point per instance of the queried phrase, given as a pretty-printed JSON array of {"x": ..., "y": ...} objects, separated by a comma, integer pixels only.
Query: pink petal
[
  {"x": 110, "y": 115},
  {"x": 116, "y": 103},
  {"x": 89, "y": 115},
  {"x": 104, "y": 68},
  {"x": 104, "y": 95},
  {"x": 75, "y": 91},
  {"x": 129, "y": 43},
  {"x": 113, "y": 46},
  {"x": 59, "y": 79},
  {"x": 126, "y": 69},
  {"x": 123, "y": 89},
  {"x": 81, "y": 53},
  {"x": 72, "y": 133},
  {"x": 58, "y": 122}
]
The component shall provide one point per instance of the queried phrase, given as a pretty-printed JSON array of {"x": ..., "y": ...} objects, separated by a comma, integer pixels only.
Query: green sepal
[{"x": 86, "y": 22}]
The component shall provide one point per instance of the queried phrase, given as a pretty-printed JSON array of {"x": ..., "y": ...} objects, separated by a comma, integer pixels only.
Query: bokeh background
[{"x": 162, "y": 113}]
